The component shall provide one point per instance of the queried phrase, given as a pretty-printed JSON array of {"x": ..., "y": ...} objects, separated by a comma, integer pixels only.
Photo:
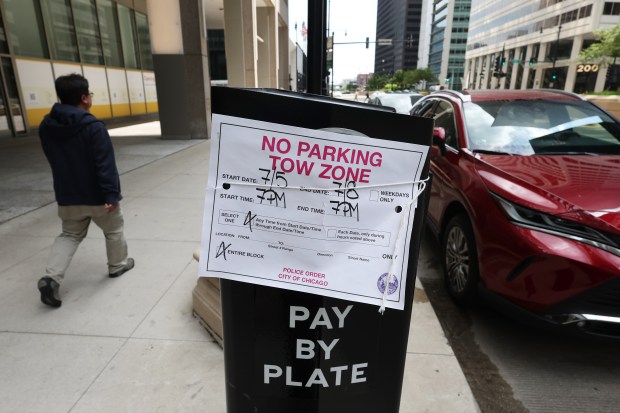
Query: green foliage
[
  {"x": 606, "y": 93},
  {"x": 606, "y": 50},
  {"x": 399, "y": 79},
  {"x": 377, "y": 81},
  {"x": 402, "y": 79}
]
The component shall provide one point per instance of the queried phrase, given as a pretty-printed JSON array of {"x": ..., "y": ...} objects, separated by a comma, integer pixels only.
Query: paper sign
[{"x": 310, "y": 210}]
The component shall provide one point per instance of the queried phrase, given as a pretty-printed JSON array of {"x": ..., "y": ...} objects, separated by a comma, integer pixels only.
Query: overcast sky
[{"x": 350, "y": 21}]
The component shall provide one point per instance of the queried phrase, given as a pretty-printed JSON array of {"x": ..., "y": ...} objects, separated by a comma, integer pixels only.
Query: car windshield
[
  {"x": 401, "y": 102},
  {"x": 540, "y": 127}
]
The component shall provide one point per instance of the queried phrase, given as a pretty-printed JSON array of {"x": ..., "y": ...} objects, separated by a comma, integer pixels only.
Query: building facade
[
  {"x": 121, "y": 46},
  {"x": 449, "y": 31},
  {"x": 400, "y": 21},
  {"x": 536, "y": 44},
  {"x": 106, "y": 41}
]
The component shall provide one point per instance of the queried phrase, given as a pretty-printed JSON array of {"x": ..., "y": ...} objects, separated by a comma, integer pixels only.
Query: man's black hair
[{"x": 71, "y": 88}]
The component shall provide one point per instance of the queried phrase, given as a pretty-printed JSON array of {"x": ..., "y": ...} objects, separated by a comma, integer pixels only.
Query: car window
[
  {"x": 401, "y": 102},
  {"x": 541, "y": 126},
  {"x": 425, "y": 109},
  {"x": 444, "y": 118}
]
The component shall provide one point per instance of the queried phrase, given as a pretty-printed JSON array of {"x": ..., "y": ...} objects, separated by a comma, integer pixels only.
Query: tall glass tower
[
  {"x": 398, "y": 20},
  {"x": 449, "y": 29}
]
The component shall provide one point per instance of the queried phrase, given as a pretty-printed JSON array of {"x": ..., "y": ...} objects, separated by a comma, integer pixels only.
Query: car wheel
[{"x": 460, "y": 260}]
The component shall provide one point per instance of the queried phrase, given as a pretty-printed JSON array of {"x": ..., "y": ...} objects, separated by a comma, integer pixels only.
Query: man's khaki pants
[{"x": 75, "y": 222}]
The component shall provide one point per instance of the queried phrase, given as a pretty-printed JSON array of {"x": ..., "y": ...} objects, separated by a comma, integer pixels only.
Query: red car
[{"x": 525, "y": 200}]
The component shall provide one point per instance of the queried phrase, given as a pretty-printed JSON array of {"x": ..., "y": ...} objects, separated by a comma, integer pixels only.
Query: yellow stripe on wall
[
  {"x": 152, "y": 107},
  {"x": 101, "y": 111},
  {"x": 138, "y": 108},
  {"x": 35, "y": 116},
  {"x": 121, "y": 109}
]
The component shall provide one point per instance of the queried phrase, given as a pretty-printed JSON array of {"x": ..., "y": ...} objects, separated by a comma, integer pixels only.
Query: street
[{"x": 512, "y": 367}]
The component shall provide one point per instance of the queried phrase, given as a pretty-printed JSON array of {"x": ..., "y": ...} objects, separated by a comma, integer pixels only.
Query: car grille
[
  {"x": 603, "y": 329},
  {"x": 601, "y": 300}
]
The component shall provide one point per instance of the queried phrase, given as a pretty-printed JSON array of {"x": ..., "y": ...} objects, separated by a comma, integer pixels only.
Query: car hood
[{"x": 557, "y": 184}]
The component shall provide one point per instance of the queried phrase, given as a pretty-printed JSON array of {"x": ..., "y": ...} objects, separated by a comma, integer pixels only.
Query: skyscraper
[
  {"x": 398, "y": 20},
  {"x": 449, "y": 30}
]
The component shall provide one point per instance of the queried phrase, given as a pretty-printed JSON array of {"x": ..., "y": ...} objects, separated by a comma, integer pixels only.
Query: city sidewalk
[{"x": 131, "y": 344}]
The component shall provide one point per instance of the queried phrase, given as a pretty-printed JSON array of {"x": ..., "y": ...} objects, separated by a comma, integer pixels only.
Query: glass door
[
  {"x": 10, "y": 96},
  {"x": 12, "y": 120}
]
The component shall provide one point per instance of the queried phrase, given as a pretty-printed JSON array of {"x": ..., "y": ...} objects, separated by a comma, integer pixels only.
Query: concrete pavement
[{"x": 131, "y": 344}]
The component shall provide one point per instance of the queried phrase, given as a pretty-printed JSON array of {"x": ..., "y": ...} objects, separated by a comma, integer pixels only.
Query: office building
[
  {"x": 122, "y": 46},
  {"x": 536, "y": 44},
  {"x": 398, "y": 20},
  {"x": 104, "y": 40},
  {"x": 449, "y": 30}
]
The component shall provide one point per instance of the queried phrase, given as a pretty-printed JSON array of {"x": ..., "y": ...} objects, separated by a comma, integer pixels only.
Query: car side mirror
[{"x": 439, "y": 138}]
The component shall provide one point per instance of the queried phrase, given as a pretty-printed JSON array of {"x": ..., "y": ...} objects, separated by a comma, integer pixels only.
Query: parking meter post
[{"x": 278, "y": 358}]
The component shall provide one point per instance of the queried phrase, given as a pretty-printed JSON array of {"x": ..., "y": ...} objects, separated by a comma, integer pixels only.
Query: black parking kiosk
[{"x": 264, "y": 326}]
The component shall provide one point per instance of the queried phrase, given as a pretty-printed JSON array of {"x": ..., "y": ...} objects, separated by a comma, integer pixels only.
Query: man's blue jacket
[{"x": 79, "y": 150}]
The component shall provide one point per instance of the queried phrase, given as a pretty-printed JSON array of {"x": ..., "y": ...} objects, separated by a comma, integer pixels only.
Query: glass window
[
  {"x": 541, "y": 126},
  {"x": 610, "y": 9},
  {"x": 217, "y": 54},
  {"x": 4, "y": 46},
  {"x": 24, "y": 21},
  {"x": 87, "y": 31},
  {"x": 444, "y": 118},
  {"x": 57, "y": 15},
  {"x": 15, "y": 108},
  {"x": 110, "y": 38},
  {"x": 128, "y": 38},
  {"x": 144, "y": 39}
]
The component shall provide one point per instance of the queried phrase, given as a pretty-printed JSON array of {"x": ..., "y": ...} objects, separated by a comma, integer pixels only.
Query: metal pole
[
  {"x": 316, "y": 47},
  {"x": 332, "y": 73},
  {"x": 557, "y": 45},
  {"x": 555, "y": 57}
]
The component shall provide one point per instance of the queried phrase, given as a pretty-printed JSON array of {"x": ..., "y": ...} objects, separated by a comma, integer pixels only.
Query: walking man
[{"x": 86, "y": 183}]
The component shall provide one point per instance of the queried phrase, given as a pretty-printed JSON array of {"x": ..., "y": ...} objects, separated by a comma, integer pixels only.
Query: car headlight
[{"x": 550, "y": 224}]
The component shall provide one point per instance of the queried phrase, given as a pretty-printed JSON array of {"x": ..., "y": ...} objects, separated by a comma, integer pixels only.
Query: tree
[
  {"x": 425, "y": 74},
  {"x": 399, "y": 79},
  {"x": 413, "y": 77},
  {"x": 606, "y": 50},
  {"x": 377, "y": 81}
]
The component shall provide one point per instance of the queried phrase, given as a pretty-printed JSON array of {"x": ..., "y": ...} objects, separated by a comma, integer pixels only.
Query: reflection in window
[
  {"x": 15, "y": 108},
  {"x": 146, "y": 57},
  {"x": 4, "y": 47},
  {"x": 128, "y": 38},
  {"x": 57, "y": 14},
  {"x": 87, "y": 31},
  {"x": 217, "y": 54},
  {"x": 109, "y": 33},
  {"x": 24, "y": 21}
]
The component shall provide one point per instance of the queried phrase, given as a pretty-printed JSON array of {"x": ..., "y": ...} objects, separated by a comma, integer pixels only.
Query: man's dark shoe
[
  {"x": 49, "y": 292},
  {"x": 127, "y": 267}
]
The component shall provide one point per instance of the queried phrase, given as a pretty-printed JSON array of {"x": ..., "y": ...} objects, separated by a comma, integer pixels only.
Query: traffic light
[
  {"x": 367, "y": 42},
  {"x": 496, "y": 65},
  {"x": 533, "y": 61},
  {"x": 447, "y": 80},
  {"x": 503, "y": 61},
  {"x": 553, "y": 75}
]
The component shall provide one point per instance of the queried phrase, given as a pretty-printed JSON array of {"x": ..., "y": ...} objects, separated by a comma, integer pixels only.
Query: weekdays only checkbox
[
  {"x": 374, "y": 195},
  {"x": 331, "y": 233}
]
